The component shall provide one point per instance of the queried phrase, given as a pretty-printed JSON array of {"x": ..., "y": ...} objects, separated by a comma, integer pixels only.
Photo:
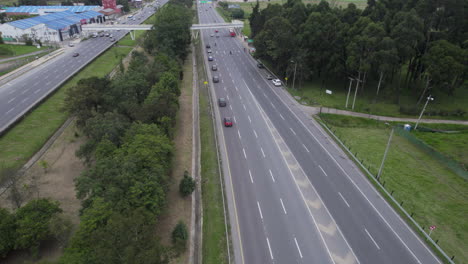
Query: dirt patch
[
  {"x": 180, "y": 208},
  {"x": 55, "y": 182}
]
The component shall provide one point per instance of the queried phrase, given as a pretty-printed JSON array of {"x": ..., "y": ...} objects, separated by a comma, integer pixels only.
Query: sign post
[{"x": 431, "y": 228}]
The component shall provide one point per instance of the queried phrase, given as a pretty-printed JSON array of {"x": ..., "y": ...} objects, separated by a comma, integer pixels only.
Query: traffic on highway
[
  {"x": 21, "y": 94},
  {"x": 295, "y": 198}
]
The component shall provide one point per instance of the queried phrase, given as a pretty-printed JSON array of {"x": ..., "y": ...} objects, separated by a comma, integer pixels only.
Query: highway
[
  {"x": 18, "y": 96},
  {"x": 296, "y": 196}
]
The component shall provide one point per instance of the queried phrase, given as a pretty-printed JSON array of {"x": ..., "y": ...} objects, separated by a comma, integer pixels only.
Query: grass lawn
[
  {"x": 214, "y": 237},
  {"x": 30, "y": 134},
  {"x": 127, "y": 40},
  {"x": 428, "y": 189},
  {"x": 17, "y": 50},
  {"x": 312, "y": 94},
  {"x": 453, "y": 145}
]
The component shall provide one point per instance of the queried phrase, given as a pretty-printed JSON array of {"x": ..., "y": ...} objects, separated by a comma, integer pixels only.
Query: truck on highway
[{"x": 232, "y": 32}]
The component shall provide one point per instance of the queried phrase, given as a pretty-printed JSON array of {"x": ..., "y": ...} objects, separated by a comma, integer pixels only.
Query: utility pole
[
  {"x": 385, "y": 154},
  {"x": 294, "y": 77},
  {"x": 429, "y": 98},
  {"x": 355, "y": 92},
  {"x": 349, "y": 90}
]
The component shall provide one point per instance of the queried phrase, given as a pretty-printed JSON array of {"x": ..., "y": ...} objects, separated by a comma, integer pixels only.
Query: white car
[{"x": 276, "y": 82}]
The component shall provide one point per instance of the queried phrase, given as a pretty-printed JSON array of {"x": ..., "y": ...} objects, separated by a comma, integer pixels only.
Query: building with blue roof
[
  {"x": 53, "y": 27},
  {"x": 41, "y": 10}
]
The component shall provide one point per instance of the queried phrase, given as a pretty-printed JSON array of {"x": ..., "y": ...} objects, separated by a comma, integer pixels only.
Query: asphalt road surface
[
  {"x": 24, "y": 92},
  {"x": 297, "y": 198}
]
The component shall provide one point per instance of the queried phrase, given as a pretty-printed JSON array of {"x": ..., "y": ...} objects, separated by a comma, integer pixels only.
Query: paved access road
[
  {"x": 297, "y": 198},
  {"x": 24, "y": 92}
]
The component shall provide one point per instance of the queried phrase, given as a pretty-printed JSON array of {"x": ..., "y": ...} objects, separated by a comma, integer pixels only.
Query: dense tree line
[
  {"x": 128, "y": 122},
  {"x": 420, "y": 44},
  {"x": 29, "y": 225}
]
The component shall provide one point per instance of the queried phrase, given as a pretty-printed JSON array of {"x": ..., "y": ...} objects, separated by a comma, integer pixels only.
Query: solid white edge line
[
  {"x": 298, "y": 248},
  {"x": 282, "y": 205},
  {"x": 344, "y": 200},
  {"x": 250, "y": 174},
  {"x": 269, "y": 248},
  {"x": 260, "y": 210},
  {"x": 375, "y": 243},
  {"x": 362, "y": 193}
]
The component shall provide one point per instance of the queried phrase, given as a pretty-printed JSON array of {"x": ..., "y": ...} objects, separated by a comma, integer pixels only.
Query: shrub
[
  {"x": 180, "y": 236},
  {"x": 187, "y": 185}
]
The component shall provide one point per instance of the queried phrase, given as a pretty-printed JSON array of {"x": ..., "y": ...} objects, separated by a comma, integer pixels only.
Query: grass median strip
[
  {"x": 427, "y": 188},
  {"x": 214, "y": 233},
  {"x": 30, "y": 134}
]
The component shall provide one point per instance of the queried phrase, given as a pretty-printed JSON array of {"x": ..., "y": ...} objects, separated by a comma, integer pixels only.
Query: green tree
[
  {"x": 237, "y": 13},
  {"x": 274, "y": 42},
  {"x": 180, "y": 236},
  {"x": 125, "y": 5},
  {"x": 171, "y": 34},
  {"x": 33, "y": 221},
  {"x": 186, "y": 185},
  {"x": 86, "y": 98},
  {"x": 446, "y": 65},
  {"x": 7, "y": 232}
]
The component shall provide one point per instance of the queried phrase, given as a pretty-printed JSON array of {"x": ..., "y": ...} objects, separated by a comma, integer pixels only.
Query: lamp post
[
  {"x": 349, "y": 90},
  {"x": 429, "y": 98},
  {"x": 385, "y": 153},
  {"x": 294, "y": 76}
]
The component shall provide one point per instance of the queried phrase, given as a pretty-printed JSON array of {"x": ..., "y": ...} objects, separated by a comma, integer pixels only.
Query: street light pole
[
  {"x": 349, "y": 90},
  {"x": 294, "y": 77},
  {"x": 385, "y": 154},
  {"x": 429, "y": 98}
]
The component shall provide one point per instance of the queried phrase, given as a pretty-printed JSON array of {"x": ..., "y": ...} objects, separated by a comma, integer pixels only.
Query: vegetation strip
[
  {"x": 214, "y": 231},
  {"x": 431, "y": 193}
]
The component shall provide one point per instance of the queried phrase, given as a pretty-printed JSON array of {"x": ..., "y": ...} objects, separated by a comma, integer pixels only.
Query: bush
[
  {"x": 187, "y": 185},
  {"x": 237, "y": 13},
  {"x": 180, "y": 236}
]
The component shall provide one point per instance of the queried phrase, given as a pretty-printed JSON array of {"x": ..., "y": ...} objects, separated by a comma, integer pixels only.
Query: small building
[{"x": 54, "y": 27}]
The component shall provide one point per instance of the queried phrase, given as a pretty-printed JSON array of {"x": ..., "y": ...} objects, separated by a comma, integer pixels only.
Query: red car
[
  {"x": 227, "y": 122},
  {"x": 216, "y": 31}
]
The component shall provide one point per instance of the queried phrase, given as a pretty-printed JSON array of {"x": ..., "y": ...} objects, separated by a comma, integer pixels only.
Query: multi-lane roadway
[
  {"x": 18, "y": 96},
  {"x": 296, "y": 198}
]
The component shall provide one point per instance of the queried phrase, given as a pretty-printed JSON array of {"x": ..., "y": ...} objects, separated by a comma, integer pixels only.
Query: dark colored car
[
  {"x": 227, "y": 122},
  {"x": 269, "y": 77},
  {"x": 215, "y": 79},
  {"x": 222, "y": 102},
  {"x": 214, "y": 68},
  {"x": 208, "y": 46},
  {"x": 76, "y": 54},
  {"x": 260, "y": 65},
  {"x": 210, "y": 58},
  {"x": 112, "y": 39}
]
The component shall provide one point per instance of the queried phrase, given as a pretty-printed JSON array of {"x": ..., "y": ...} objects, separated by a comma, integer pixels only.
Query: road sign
[{"x": 432, "y": 227}]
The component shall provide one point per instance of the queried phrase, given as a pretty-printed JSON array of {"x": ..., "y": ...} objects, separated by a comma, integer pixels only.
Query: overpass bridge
[{"x": 131, "y": 28}]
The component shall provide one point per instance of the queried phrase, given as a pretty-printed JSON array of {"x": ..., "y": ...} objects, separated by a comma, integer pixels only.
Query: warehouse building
[
  {"x": 43, "y": 10},
  {"x": 53, "y": 27}
]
